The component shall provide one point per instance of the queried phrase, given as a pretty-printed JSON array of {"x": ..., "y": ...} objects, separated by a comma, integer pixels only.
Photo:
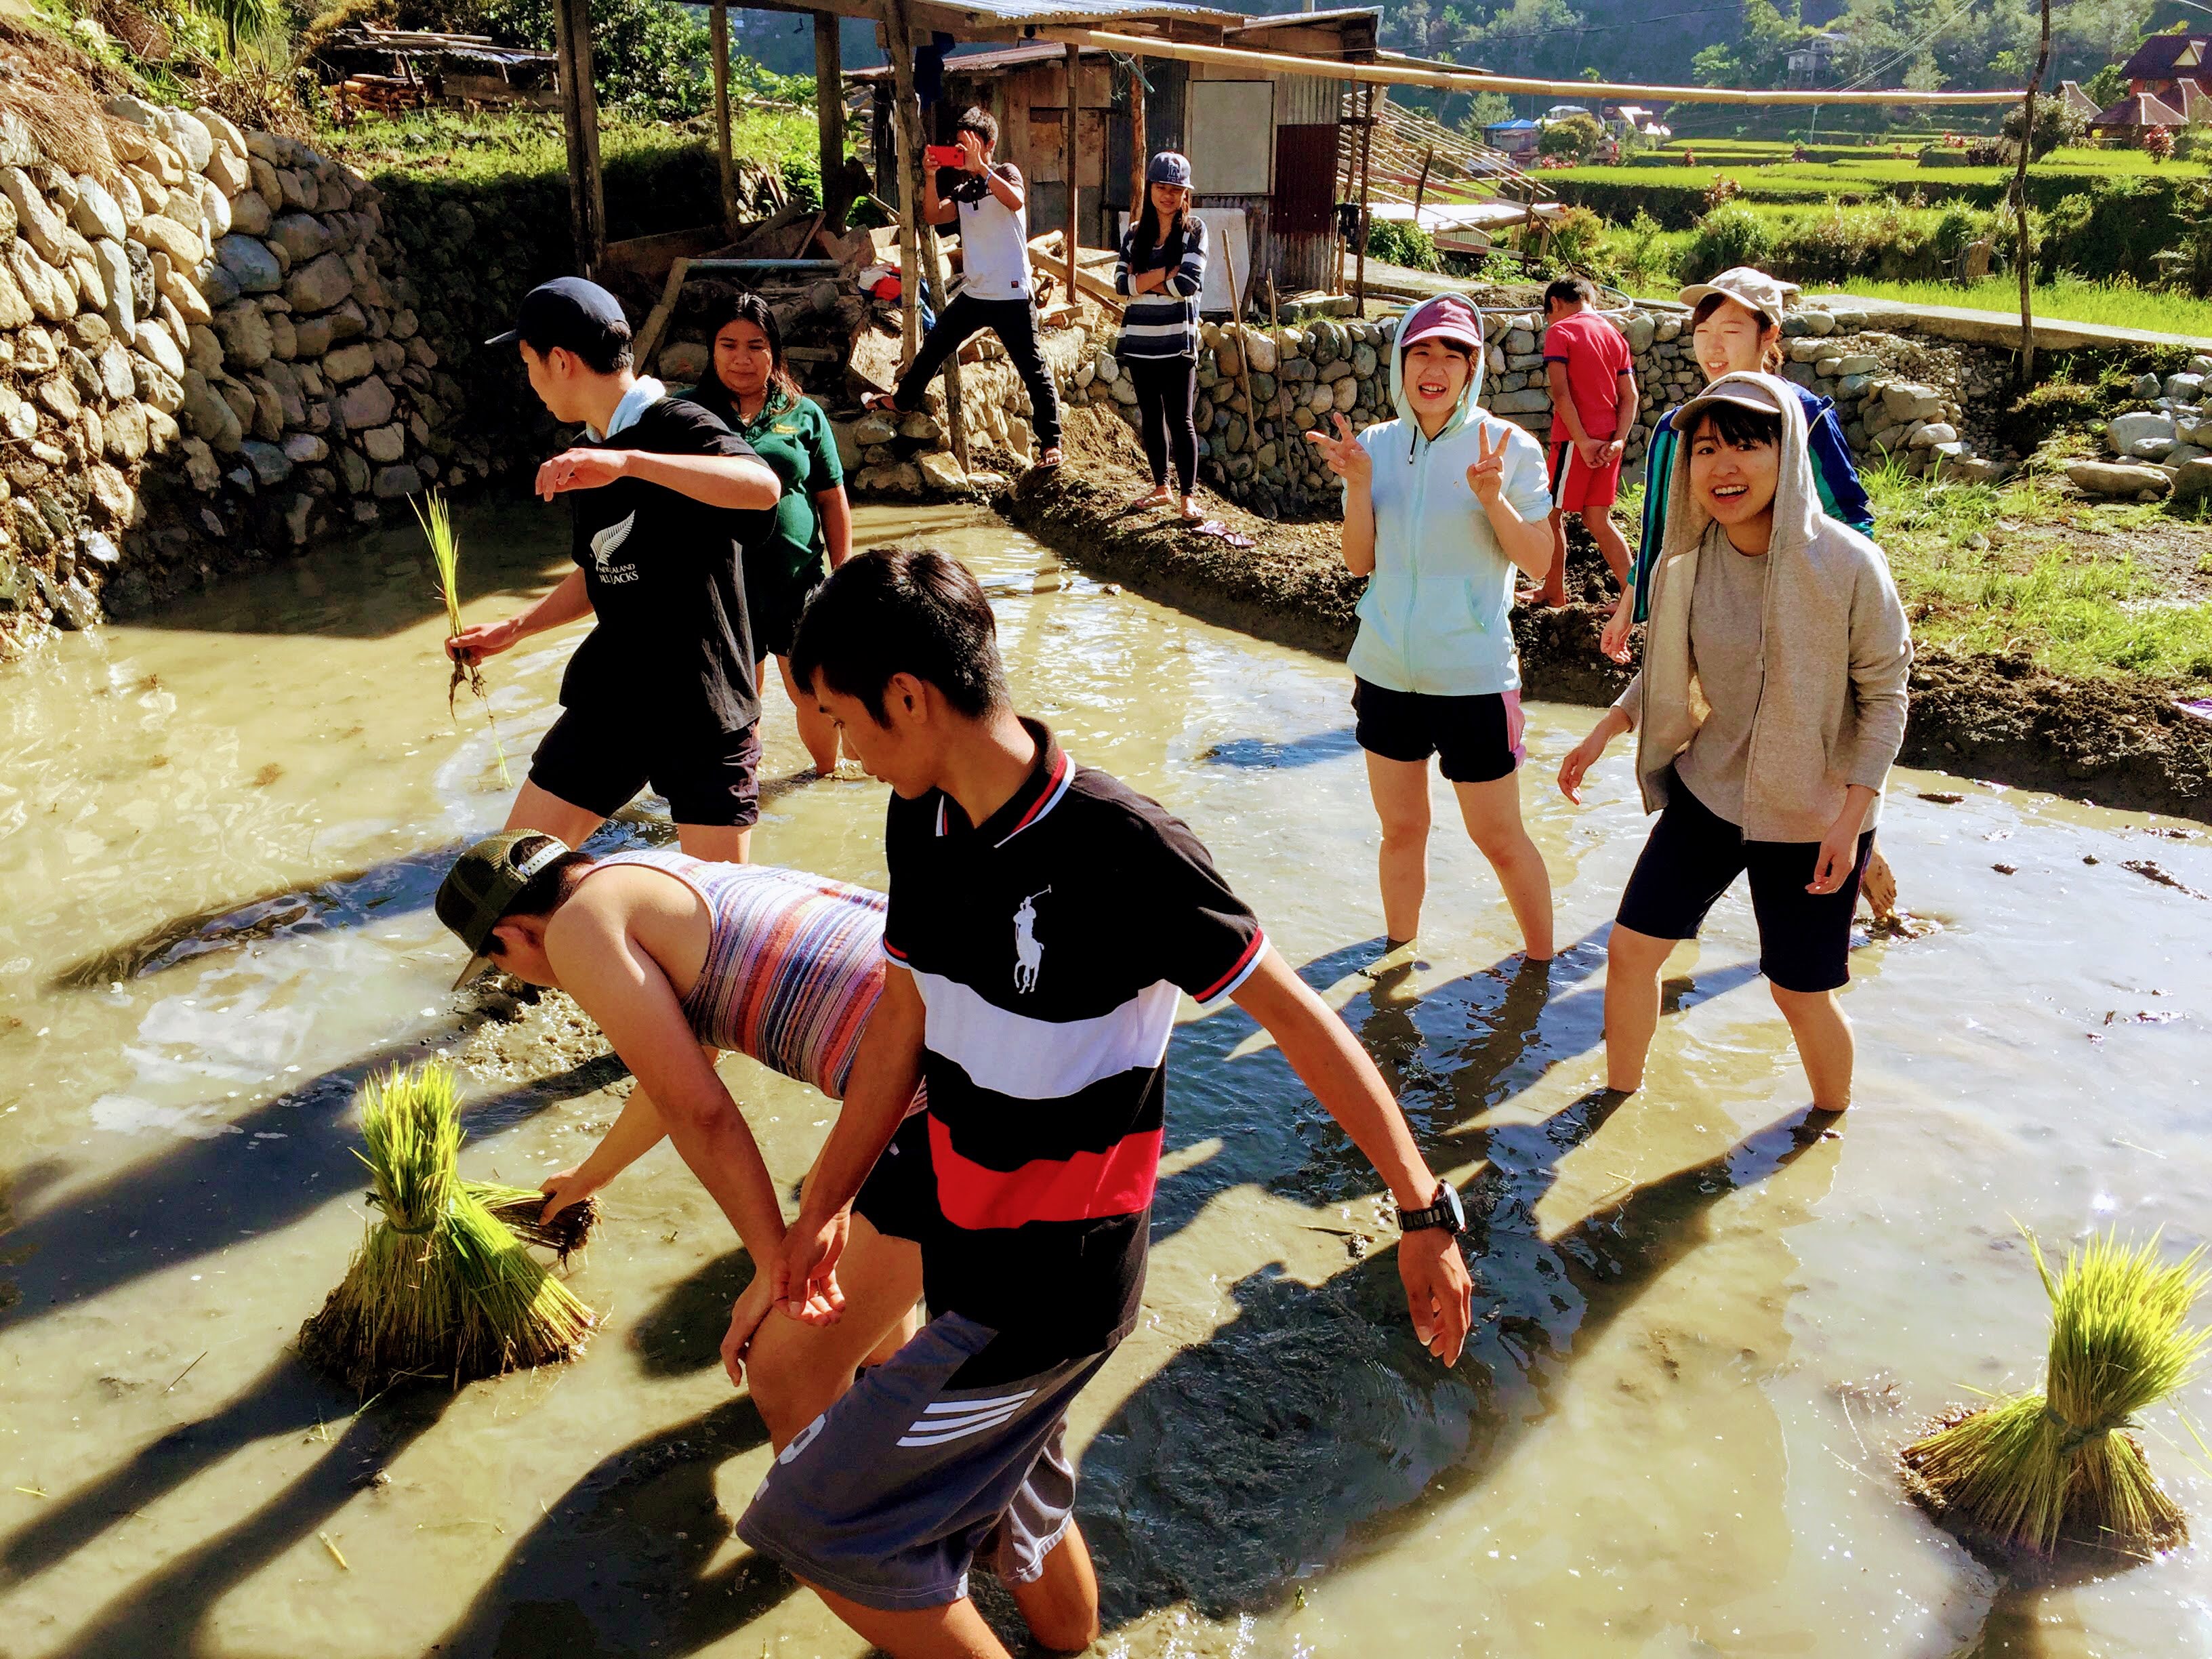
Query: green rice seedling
[
  {"x": 521, "y": 1210},
  {"x": 437, "y": 522},
  {"x": 2062, "y": 1464},
  {"x": 440, "y": 1287}
]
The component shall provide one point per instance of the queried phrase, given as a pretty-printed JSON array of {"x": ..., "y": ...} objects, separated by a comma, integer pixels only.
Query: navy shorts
[
  {"x": 889, "y": 1496},
  {"x": 599, "y": 764},
  {"x": 1694, "y": 855},
  {"x": 1475, "y": 739}
]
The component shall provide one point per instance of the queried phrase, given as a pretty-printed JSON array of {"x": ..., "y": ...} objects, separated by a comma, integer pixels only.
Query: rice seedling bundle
[
  {"x": 437, "y": 522},
  {"x": 521, "y": 1210},
  {"x": 2062, "y": 1463},
  {"x": 440, "y": 1287}
]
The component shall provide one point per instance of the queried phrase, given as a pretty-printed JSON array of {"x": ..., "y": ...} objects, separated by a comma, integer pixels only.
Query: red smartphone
[{"x": 945, "y": 155}]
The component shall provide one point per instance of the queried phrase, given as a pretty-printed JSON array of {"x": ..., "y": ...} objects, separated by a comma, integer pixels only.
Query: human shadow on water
[
  {"x": 166, "y": 1612},
  {"x": 619, "y": 1563},
  {"x": 1312, "y": 1420},
  {"x": 195, "y": 1197},
  {"x": 1259, "y": 755}
]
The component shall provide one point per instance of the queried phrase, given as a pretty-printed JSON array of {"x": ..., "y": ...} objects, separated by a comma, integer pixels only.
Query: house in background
[
  {"x": 1516, "y": 140},
  {"x": 2164, "y": 62},
  {"x": 1265, "y": 144},
  {"x": 2078, "y": 102},
  {"x": 2134, "y": 115},
  {"x": 1812, "y": 61}
]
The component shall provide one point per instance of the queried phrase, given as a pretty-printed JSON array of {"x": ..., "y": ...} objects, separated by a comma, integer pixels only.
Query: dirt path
[{"x": 2112, "y": 742}]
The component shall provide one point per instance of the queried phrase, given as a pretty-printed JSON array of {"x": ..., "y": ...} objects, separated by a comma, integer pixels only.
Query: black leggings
[
  {"x": 1014, "y": 321},
  {"x": 1167, "y": 387}
]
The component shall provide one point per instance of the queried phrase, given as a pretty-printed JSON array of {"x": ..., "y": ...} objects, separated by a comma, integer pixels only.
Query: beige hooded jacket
[{"x": 1832, "y": 710}]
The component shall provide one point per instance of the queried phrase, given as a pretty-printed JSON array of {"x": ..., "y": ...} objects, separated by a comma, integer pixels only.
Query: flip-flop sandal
[
  {"x": 1050, "y": 460},
  {"x": 1221, "y": 531},
  {"x": 881, "y": 403},
  {"x": 1141, "y": 503}
]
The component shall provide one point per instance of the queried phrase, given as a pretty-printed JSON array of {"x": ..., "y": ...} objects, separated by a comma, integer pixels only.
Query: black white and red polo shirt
[{"x": 1050, "y": 944}]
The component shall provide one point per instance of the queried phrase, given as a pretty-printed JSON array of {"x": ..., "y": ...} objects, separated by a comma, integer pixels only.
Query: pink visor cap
[{"x": 1447, "y": 316}]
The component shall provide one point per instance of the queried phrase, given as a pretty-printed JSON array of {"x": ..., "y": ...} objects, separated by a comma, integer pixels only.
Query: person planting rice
[
  {"x": 677, "y": 959},
  {"x": 750, "y": 390},
  {"x": 1769, "y": 707},
  {"x": 1043, "y": 921},
  {"x": 662, "y": 689},
  {"x": 1737, "y": 328},
  {"x": 1441, "y": 506}
]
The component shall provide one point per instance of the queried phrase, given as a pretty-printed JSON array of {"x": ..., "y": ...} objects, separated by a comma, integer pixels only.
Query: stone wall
[
  {"x": 207, "y": 356},
  {"x": 1896, "y": 396}
]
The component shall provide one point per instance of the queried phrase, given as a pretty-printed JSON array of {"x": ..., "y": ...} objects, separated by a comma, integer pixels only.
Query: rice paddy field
[{"x": 1706, "y": 1326}]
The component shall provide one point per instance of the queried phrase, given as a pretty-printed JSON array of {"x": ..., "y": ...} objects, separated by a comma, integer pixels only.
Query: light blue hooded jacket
[{"x": 1437, "y": 617}]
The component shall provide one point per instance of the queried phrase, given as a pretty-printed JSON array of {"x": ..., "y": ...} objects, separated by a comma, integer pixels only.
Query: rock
[
  {"x": 353, "y": 472},
  {"x": 203, "y": 351},
  {"x": 2150, "y": 449},
  {"x": 1932, "y": 434},
  {"x": 314, "y": 335},
  {"x": 15, "y": 309},
  {"x": 1109, "y": 367},
  {"x": 305, "y": 448},
  {"x": 2125, "y": 431},
  {"x": 165, "y": 235},
  {"x": 1817, "y": 323},
  {"x": 74, "y": 607},
  {"x": 683, "y": 362},
  {"x": 200, "y": 468},
  {"x": 1521, "y": 402},
  {"x": 2192, "y": 480},
  {"x": 302, "y": 236},
  {"x": 922, "y": 428},
  {"x": 367, "y": 403},
  {"x": 2146, "y": 386},
  {"x": 1260, "y": 354},
  {"x": 123, "y": 432},
  {"x": 1906, "y": 402},
  {"x": 1858, "y": 364},
  {"x": 349, "y": 363},
  {"x": 35, "y": 219},
  {"x": 939, "y": 471},
  {"x": 418, "y": 352},
  {"x": 191, "y": 303},
  {"x": 283, "y": 338},
  {"x": 848, "y": 451},
  {"x": 156, "y": 386},
  {"x": 247, "y": 339},
  {"x": 393, "y": 482},
  {"x": 117, "y": 378},
  {"x": 52, "y": 294},
  {"x": 97, "y": 214},
  {"x": 208, "y": 416},
  {"x": 248, "y": 263},
  {"x": 384, "y": 444},
  {"x": 57, "y": 394},
  {"x": 120, "y": 311},
  {"x": 2117, "y": 478},
  {"x": 872, "y": 430},
  {"x": 320, "y": 284},
  {"x": 1362, "y": 361},
  {"x": 249, "y": 214},
  {"x": 270, "y": 465}
]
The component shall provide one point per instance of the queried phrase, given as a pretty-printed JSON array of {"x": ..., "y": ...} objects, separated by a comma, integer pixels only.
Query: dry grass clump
[
  {"x": 440, "y": 1287},
  {"x": 54, "y": 90},
  {"x": 2061, "y": 1464}
]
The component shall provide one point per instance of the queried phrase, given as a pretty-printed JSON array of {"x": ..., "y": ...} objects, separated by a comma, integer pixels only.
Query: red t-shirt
[{"x": 1596, "y": 357}]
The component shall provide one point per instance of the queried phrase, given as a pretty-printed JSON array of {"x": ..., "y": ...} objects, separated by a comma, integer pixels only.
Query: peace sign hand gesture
[
  {"x": 1487, "y": 477},
  {"x": 1343, "y": 455}
]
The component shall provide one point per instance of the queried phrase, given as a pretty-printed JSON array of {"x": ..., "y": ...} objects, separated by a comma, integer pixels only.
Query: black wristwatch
[{"x": 1443, "y": 1210}]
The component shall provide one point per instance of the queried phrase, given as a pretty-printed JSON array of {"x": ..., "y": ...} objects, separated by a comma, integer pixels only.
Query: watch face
[{"x": 1449, "y": 1197}]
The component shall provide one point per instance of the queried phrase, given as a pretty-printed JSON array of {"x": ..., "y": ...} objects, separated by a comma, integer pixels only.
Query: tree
[
  {"x": 1574, "y": 137},
  {"x": 2105, "y": 88},
  {"x": 2055, "y": 125},
  {"x": 1485, "y": 109}
]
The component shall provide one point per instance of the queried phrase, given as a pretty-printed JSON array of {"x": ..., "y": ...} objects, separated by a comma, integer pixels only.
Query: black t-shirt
[
  {"x": 1049, "y": 946},
  {"x": 664, "y": 575}
]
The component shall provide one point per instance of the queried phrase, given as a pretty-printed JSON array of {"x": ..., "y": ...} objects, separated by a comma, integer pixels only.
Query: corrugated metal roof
[
  {"x": 1044, "y": 14},
  {"x": 1284, "y": 20}
]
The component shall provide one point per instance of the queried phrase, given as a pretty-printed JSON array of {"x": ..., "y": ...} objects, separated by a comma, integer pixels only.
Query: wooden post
[
  {"x": 829, "y": 104},
  {"x": 1074, "y": 69},
  {"x": 1243, "y": 346},
  {"x": 2026, "y": 258},
  {"x": 905, "y": 128},
  {"x": 579, "y": 118},
  {"x": 956, "y": 425},
  {"x": 719, "y": 35},
  {"x": 1421, "y": 185},
  {"x": 1360, "y": 271},
  {"x": 1137, "y": 159}
]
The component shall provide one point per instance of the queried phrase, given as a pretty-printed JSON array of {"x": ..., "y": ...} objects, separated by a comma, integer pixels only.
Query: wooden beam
[
  {"x": 719, "y": 34},
  {"x": 906, "y": 122},
  {"x": 829, "y": 101},
  {"x": 580, "y": 120},
  {"x": 1072, "y": 166},
  {"x": 1359, "y": 269},
  {"x": 1137, "y": 159},
  {"x": 2026, "y": 259},
  {"x": 1392, "y": 71}
]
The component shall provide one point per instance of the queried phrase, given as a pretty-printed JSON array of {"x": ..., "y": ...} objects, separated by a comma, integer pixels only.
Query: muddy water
[{"x": 1702, "y": 1335}]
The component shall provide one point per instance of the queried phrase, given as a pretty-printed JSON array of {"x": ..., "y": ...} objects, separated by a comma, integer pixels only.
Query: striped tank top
[{"x": 795, "y": 964}]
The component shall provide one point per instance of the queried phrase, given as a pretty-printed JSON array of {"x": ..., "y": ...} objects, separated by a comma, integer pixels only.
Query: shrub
[
  {"x": 1576, "y": 137},
  {"x": 1578, "y": 236},
  {"x": 2055, "y": 125},
  {"x": 2188, "y": 264},
  {"x": 1402, "y": 242},
  {"x": 1640, "y": 253},
  {"x": 1732, "y": 234},
  {"x": 1722, "y": 189},
  {"x": 2159, "y": 142}
]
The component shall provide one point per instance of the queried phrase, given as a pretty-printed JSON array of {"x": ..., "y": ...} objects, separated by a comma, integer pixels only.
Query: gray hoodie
[{"x": 1831, "y": 713}]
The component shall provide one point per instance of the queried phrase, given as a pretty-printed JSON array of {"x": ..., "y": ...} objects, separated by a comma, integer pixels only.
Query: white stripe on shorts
[
  {"x": 935, "y": 1431},
  {"x": 962, "y": 1408}
]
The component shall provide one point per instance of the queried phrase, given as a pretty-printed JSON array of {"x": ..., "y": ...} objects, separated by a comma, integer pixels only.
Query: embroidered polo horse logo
[{"x": 1028, "y": 955}]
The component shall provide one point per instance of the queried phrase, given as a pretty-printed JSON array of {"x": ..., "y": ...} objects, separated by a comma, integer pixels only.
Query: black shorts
[
  {"x": 599, "y": 764},
  {"x": 898, "y": 1197},
  {"x": 1476, "y": 739},
  {"x": 1694, "y": 855},
  {"x": 773, "y": 607}
]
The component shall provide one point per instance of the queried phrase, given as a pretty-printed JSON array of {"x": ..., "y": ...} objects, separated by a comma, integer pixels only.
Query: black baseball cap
[
  {"x": 567, "y": 312},
  {"x": 483, "y": 885}
]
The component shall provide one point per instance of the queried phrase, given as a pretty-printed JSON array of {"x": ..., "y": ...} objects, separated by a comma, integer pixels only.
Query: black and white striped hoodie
[{"x": 1162, "y": 323}]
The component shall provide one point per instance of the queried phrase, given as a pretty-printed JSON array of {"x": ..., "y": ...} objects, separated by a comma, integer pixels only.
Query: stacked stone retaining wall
[{"x": 208, "y": 354}]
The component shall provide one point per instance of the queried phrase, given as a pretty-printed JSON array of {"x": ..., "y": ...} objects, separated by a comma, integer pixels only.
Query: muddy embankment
[{"x": 2112, "y": 742}]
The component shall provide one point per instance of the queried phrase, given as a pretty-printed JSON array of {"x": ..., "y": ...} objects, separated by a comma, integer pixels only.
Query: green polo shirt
[{"x": 793, "y": 436}]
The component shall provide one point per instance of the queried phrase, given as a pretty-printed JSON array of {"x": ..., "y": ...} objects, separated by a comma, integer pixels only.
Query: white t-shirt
[{"x": 995, "y": 244}]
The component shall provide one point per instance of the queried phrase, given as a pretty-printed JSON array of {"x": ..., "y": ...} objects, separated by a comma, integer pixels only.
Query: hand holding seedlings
[{"x": 465, "y": 646}]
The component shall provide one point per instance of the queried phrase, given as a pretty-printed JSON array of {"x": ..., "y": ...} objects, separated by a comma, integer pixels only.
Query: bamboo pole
[
  {"x": 1421, "y": 185},
  {"x": 829, "y": 107},
  {"x": 1074, "y": 68},
  {"x": 1392, "y": 70},
  {"x": 719, "y": 38},
  {"x": 1137, "y": 159},
  {"x": 899, "y": 47},
  {"x": 1243, "y": 345},
  {"x": 1359, "y": 269},
  {"x": 2026, "y": 259},
  {"x": 580, "y": 121}
]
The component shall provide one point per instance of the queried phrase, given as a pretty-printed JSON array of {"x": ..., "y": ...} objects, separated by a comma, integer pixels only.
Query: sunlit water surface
[{"x": 1701, "y": 1335}]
